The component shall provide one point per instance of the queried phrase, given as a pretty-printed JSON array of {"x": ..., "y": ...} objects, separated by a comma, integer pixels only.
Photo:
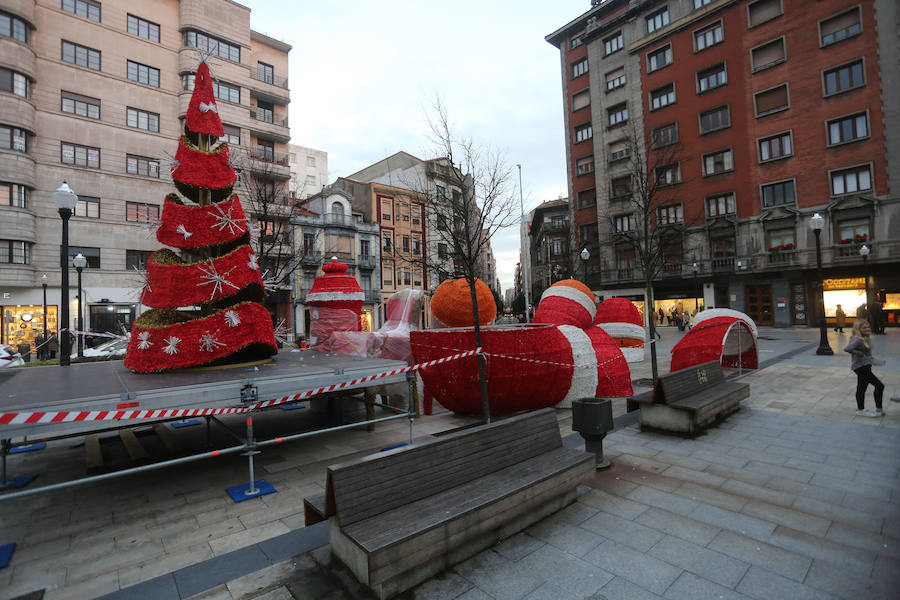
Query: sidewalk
[{"x": 792, "y": 496}]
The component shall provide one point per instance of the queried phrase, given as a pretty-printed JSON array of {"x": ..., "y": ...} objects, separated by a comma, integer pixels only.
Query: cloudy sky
[{"x": 362, "y": 73}]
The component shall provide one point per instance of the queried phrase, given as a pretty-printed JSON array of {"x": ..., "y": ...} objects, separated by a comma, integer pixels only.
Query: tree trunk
[
  {"x": 648, "y": 306},
  {"x": 482, "y": 373}
]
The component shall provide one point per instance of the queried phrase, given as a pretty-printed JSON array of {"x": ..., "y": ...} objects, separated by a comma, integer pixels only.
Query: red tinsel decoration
[
  {"x": 203, "y": 169},
  {"x": 202, "y": 113},
  {"x": 217, "y": 223},
  {"x": 202, "y": 281}
]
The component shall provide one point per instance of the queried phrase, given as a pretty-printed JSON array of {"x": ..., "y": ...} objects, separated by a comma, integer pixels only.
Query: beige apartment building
[
  {"x": 94, "y": 93},
  {"x": 309, "y": 170}
]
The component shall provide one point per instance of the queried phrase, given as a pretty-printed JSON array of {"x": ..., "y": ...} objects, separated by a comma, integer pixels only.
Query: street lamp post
[
  {"x": 864, "y": 252},
  {"x": 817, "y": 222},
  {"x": 42, "y": 351},
  {"x": 585, "y": 255},
  {"x": 65, "y": 200},
  {"x": 696, "y": 269},
  {"x": 80, "y": 262},
  {"x": 524, "y": 250}
]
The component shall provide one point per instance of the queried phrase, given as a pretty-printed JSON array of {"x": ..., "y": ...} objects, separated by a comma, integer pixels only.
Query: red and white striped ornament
[
  {"x": 621, "y": 319},
  {"x": 567, "y": 302}
]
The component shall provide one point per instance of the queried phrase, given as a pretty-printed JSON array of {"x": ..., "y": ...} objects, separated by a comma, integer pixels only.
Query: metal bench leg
[{"x": 412, "y": 407}]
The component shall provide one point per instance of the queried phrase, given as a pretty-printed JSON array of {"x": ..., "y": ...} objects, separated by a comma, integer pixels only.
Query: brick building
[{"x": 749, "y": 116}]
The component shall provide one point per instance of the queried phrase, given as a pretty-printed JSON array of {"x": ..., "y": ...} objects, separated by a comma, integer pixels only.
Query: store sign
[
  {"x": 7, "y": 295},
  {"x": 847, "y": 283}
]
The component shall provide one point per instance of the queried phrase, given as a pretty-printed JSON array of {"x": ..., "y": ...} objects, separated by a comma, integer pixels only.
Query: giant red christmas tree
[{"x": 206, "y": 309}]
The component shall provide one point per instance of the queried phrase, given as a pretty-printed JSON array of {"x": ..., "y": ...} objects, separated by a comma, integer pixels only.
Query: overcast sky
[{"x": 362, "y": 73}]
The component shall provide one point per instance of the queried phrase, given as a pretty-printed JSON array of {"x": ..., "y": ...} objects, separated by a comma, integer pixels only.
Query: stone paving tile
[
  {"x": 191, "y": 536},
  {"x": 520, "y": 545},
  {"x": 164, "y": 564},
  {"x": 688, "y": 462},
  {"x": 613, "y": 483},
  {"x": 767, "y": 556},
  {"x": 887, "y": 571},
  {"x": 694, "y": 476},
  {"x": 849, "y": 584},
  {"x": 822, "y": 549},
  {"x": 690, "y": 587},
  {"x": 659, "y": 499},
  {"x": 574, "y": 514},
  {"x": 765, "y": 585},
  {"x": 446, "y": 586},
  {"x": 91, "y": 588},
  {"x": 643, "y": 477},
  {"x": 843, "y": 514},
  {"x": 565, "y": 576},
  {"x": 474, "y": 594},
  {"x": 621, "y": 589},
  {"x": 888, "y": 480},
  {"x": 646, "y": 464},
  {"x": 638, "y": 568},
  {"x": 615, "y": 505},
  {"x": 779, "y": 471},
  {"x": 678, "y": 526},
  {"x": 575, "y": 540},
  {"x": 241, "y": 539},
  {"x": 758, "y": 492},
  {"x": 804, "y": 489},
  {"x": 497, "y": 576},
  {"x": 220, "y": 592},
  {"x": 700, "y": 561},
  {"x": 622, "y": 530},
  {"x": 859, "y": 488},
  {"x": 880, "y": 506},
  {"x": 794, "y": 519},
  {"x": 250, "y": 584},
  {"x": 756, "y": 456},
  {"x": 873, "y": 542},
  {"x": 738, "y": 474},
  {"x": 726, "y": 519},
  {"x": 27, "y": 580},
  {"x": 713, "y": 496}
]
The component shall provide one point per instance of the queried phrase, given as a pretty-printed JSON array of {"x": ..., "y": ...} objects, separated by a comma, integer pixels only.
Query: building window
[
  {"x": 136, "y": 260},
  {"x": 265, "y": 111},
  {"x": 87, "y": 207},
  {"x": 670, "y": 215},
  {"x": 141, "y": 165},
  {"x": 612, "y": 44},
  {"x": 579, "y": 68},
  {"x": 265, "y": 73},
  {"x": 405, "y": 243},
  {"x": 723, "y": 247},
  {"x": 416, "y": 244},
  {"x": 584, "y": 166},
  {"x": 850, "y": 181},
  {"x": 843, "y": 78},
  {"x": 265, "y": 150},
  {"x": 587, "y": 198},
  {"x": 14, "y": 194},
  {"x": 584, "y": 132},
  {"x": 143, "y": 28},
  {"x": 659, "y": 58},
  {"x": 624, "y": 223},
  {"x": 216, "y": 46},
  {"x": 617, "y": 115},
  {"x": 662, "y": 96},
  {"x": 716, "y": 163},
  {"x": 143, "y": 74},
  {"x": 767, "y": 55},
  {"x": 14, "y": 138},
  {"x": 80, "y": 55},
  {"x": 310, "y": 161},
  {"x": 91, "y": 254},
  {"x": 854, "y": 230},
  {"x": 698, "y": 4},
  {"x": 715, "y": 119},
  {"x": 711, "y": 78},
  {"x": 575, "y": 42},
  {"x": 14, "y": 27},
  {"x": 581, "y": 100},
  {"x": 364, "y": 249},
  {"x": 142, "y": 119},
  {"x": 667, "y": 174},
  {"x": 665, "y": 135},
  {"x": 709, "y": 36},
  {"x": 139, "y": 212},
  {"x": 771, "y": 101},
  {"x": 619, "y": 150},
  {"x": 83, "y": 8},
  {"x": 776, "y": 194},
  {"x": 557, "y": 247},
  {"x": 227, "y": 92},
  {"x": 775, "y": 147},
  {"x": 387, "y": 241},
  {"x": 79, "y": 156},
  {"x": 621, "y": 188},
  {"x": 15, "y": 252},
  {"x": 848, "y": 129},
  {"x": 442, "y": 251},
  {"x": 840, "y": 27},
  {"x": 83, "y": 106},
  {"x": 720, "y": 205},
  {"x": 781, "y": 239},
  {"x": 13, "y": 83},
  {"x": 761, "y": 11},
  {"x": 615, "y": 79},
  {"x": 658, "y": 19},
  {"x": 625, "y": 261},
  {"x": 232, "y": 134}
]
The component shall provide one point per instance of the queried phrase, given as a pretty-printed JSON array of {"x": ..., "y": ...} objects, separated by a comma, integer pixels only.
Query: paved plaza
[{"x": 791, "y": 497}]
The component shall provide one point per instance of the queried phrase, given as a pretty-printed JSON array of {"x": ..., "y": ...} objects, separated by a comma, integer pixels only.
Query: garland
[
  {"x": 190, "y": 227},
  {"x": 196, "y": 168}
]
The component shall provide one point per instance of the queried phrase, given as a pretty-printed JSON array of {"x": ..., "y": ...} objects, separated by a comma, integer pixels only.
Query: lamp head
[
  {"x": 585, "y": 254},
  {"x": 65, "y": 198},
  {"x": 79, "y": 262},
  {"x": 864, "y": 251},
  {"x": 695, "y": 268},
  {"x": 817, "y": 222},
  {"x": 44, "y": 279}
]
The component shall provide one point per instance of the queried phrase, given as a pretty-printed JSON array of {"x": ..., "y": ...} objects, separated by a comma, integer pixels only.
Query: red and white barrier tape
[{"x": 18, "y": 418}]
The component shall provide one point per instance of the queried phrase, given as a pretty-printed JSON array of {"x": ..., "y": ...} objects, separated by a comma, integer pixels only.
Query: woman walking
[
  {"x": 861, "y": 361},
  {"x": 840, "y": 319}
]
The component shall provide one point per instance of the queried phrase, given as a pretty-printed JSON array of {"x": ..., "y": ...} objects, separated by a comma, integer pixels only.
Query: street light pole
[
  {"x": 817, "y": 222},
  {"x": 65, "y": 200},
  {"x": 864, "y": 252},
  {"x": 42, "y": 351},
  {"x": 696, "y": 268},
  {"x": 585, "y": 255},
  {"x": 522, "y": 246},
  {"x": 80, "y": 262}
]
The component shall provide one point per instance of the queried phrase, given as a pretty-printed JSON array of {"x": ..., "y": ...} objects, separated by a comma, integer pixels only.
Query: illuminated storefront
[
  {"x": 849, "y": 292},
  {"x": 22, "y": 323}
]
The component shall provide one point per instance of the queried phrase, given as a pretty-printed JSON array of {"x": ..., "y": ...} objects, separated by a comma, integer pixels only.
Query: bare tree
[{"x": 656, "y": 237}]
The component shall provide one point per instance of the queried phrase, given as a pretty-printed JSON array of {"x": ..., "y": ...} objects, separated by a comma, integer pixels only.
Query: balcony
[
  {"x": 265, "y": 125},
  {"x": 339, "y": 221},
  {"x": 781, "y": 258},
  {"x": 850, "y": 250},
  {"x": 723, "y": 264},
  {"x": 311, "y": 258},
  {"x": 366, "y": 262},
  {"x": 672, "y": 269},
  {"x": 372, "y": 296},
  {"x": 269, "y": 88}
]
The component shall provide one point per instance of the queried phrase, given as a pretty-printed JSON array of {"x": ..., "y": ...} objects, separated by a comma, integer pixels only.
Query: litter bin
[
  {"x": 592, "y": 418},
  {"x": 24, "y": 351}
]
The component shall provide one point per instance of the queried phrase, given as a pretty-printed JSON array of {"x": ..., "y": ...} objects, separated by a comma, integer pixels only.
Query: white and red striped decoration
[{"x": 19, "y": 418}]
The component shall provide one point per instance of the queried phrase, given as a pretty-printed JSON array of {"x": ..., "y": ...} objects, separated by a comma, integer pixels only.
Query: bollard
[{"x": 592, "y": 418}]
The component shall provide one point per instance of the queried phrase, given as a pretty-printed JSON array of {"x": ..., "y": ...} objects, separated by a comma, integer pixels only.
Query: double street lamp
[
  {"x": 65, "y": 200},
  {"x": 817, "y": 222},
  {"x": 80, "y": 262}
]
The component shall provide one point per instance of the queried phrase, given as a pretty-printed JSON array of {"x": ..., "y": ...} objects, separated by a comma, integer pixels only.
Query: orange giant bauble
[{"x": 452, "y": 303}]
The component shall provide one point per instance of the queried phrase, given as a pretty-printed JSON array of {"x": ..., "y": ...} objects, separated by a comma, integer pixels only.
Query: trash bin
[
  {"x": 24, "y": 351},
  {"x": 592, "y": 418}
]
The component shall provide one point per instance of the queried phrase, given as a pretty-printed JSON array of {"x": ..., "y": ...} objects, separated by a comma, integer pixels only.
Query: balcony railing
[
  {"x": 339, "y": 220},
  {"x": 282, "y": 159},
  {"x": 365, "y": 262},
  {"x": 672, "y": 269},
  {"x": 311, "y": 258},
  {"x": 281, "y": 82},
  {"x": 722, "y": 264},
  {"x": 267, "y": 117},
  {"x": 781, "y": 258},
  {"x": 372, "y": 296}
]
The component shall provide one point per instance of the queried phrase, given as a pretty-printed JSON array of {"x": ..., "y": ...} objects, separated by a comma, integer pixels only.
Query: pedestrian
[
  {"x": 662, "y": 315},
  {"x": 39, "y": 346},
  {"x": 53, "y": 345},
  {"x": 840, "y": 319},
  {"x": 862, "y": 312},
  {"x": 875, "y": 318},
  {"x": 861, "y": 361}
]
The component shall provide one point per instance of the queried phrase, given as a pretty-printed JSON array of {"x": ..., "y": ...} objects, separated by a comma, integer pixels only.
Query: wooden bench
[
  {"x": 401, "y": 516},
  {"x": 687, "y": 401}
]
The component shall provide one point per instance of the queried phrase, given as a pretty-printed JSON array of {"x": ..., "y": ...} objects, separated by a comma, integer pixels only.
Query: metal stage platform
[{"x": 108, "y": 385}]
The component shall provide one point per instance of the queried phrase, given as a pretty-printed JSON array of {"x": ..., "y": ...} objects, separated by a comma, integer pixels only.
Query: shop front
[
  {"x": 847, "y": 292},
  {"x": 21, "y": 324}
]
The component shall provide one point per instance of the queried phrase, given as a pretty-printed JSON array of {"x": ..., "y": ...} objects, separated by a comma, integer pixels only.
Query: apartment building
[
  {"x": 551, "y": 259},
  {"x": 749, "y": 117},
  {"x": 94, "y": 93},
  {"x": 327, "y": 226},
  {"x": 309, "y": 170}
]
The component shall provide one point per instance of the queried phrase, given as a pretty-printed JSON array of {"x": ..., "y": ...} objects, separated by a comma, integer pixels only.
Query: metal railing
[
  {"x": 267, "y": 117},
  {"x": 281, "y": 82},
  {"x": 282, "y": 159}
]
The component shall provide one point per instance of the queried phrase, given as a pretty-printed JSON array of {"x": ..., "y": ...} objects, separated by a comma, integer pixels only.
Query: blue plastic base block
[
  {"x": 239, "y": 493},
  {"x": 28, "y": 448},
  {"x": 291, "y": 406},
  {"x": 180, "y": 424},
  {"x": 5, "y": 554},
  {"x": 17, "y": 482},
  {"x": 385, "y": 449}
]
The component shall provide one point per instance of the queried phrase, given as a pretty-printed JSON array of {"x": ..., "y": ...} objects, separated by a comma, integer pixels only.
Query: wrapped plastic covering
[
  {"x": 327, "y": 323},
  {"x": 403, "y": 311}
]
